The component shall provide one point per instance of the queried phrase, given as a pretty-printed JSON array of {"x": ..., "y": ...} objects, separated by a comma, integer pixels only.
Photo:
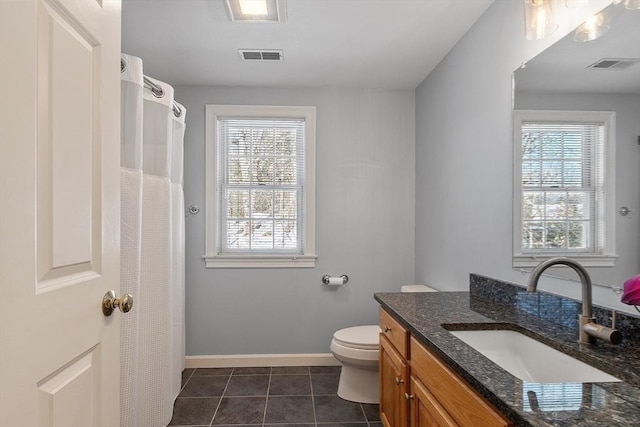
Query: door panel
[
  {"x": 68, "y": 397},
  {"x": 68, "y": 91},
  {"x": 67, "y": 86},
  {"x": 59, "y": 212}
]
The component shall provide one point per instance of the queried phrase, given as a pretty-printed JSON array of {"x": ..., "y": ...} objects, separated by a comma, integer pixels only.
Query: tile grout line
[
  {"x": 313, "y": 399},
  {"x": 266, "y": 401},
  {"x": 186, "y": 381},
  {"x": 220, "y": 401},
  {"x": 365, "y": 414}
]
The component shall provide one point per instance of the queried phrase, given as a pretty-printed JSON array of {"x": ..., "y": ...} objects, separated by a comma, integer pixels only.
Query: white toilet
[{"x": 357, "y": 349}]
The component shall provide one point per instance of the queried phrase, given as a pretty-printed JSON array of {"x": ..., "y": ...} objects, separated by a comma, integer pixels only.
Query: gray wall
[
  {"x": 627, "y": 108},
  {"x": 464, "y": 155},
  {"x": 365, "y": 190}
]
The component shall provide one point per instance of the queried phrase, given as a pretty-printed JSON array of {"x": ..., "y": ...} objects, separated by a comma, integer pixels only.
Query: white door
[{"x": 59, "y": 212}]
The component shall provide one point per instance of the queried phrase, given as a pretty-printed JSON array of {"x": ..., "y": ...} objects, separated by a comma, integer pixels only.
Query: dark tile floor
[{"x": 296, "y": 396}]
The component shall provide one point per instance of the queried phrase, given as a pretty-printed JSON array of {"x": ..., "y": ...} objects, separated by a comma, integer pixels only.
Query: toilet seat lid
[{"x": 361, "y": 337}]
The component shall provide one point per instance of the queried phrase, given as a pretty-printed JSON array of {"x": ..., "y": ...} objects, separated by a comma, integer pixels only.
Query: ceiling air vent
[
  {"x": 613, "y": 64},
  {"x": 261, "y": 55}
]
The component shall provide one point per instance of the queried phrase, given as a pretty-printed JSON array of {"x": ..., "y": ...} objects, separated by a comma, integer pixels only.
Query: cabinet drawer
[
  {"x": 395, "y": 333},
  {"x": 454, "y": 394}
]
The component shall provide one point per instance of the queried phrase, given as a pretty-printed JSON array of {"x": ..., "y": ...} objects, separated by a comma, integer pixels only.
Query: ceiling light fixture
[
  {"x": 253, "y": 7},
  {"x": 539, "y": 19},
  {"x": 592, "y": 28},
  {"x": 256, "y": 10}
]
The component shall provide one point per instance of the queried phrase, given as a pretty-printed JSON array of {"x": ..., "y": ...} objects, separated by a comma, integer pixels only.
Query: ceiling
[
  {"x": 563, "y": 66},
  {"x": 326, "y": 43}
]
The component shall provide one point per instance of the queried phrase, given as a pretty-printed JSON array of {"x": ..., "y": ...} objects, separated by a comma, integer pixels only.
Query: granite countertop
[{"x": 558, "y": 404}]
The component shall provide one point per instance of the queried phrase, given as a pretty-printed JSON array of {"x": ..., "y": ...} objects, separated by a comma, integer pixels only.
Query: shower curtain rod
[{"x": 156, "y": 90}]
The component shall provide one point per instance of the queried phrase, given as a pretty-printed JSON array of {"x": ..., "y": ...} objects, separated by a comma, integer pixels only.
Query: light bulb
[
  {"x": 539, "y": 19},
  {"x": 594, "y": 27}
]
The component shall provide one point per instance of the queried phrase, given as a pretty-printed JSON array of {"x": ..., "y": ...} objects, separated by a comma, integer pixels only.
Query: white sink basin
[{"x": 531, "y": 360}]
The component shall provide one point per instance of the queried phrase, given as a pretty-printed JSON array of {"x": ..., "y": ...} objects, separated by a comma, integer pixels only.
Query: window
[
  {"x": 564, "y": 187},
  {"x": 260, "y": 186}
]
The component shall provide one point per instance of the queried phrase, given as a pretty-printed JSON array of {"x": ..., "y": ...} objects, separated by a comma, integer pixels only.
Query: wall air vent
[
  {"x": 261, "y": 55},
  {"x": 614, "y": 63}
]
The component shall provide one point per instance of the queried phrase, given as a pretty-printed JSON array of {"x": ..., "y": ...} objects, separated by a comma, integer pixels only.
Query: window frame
[
  {"x": 606, "y": 257},
  {"x": 264, "y": 259}
]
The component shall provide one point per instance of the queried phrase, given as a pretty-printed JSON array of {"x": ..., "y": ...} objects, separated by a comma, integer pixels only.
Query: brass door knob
[
  {"x": 110, "y": 303},
  {"x": 399, "y": 381}
]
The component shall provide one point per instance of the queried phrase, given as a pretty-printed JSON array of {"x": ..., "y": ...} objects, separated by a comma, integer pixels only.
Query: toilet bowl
[{"x": 357, "y": 348}]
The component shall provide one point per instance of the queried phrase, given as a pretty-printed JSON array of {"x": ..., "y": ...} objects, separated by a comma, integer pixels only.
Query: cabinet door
[
  {"x": 393, "y": 386},
  {"x": 425, "y": 409}
]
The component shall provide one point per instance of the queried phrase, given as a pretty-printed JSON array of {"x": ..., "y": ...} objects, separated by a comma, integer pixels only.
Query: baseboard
[{"x": 260, "y": 360}]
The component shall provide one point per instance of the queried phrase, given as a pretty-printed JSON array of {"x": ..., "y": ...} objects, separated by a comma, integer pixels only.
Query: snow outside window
[
  {"x": 260, "y": 186},
  {"x": 563, "y": 192}
]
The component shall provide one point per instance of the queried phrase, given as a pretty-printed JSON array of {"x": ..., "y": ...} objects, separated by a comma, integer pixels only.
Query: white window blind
[
  {"x": 564, "y": 186},
  {"x": 261, "y": 178}
]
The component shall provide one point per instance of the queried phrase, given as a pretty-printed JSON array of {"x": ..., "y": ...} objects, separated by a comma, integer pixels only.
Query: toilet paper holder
[{"x": 332, "y": 280}]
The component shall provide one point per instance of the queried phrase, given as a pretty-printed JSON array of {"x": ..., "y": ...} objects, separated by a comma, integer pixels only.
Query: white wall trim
[
  {"x": 260, "y": 360},
  {"x": 255, "y": 261}
]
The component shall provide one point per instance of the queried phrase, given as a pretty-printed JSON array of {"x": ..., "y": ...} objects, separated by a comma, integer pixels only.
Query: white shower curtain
[{"x": 152, "y": 248}]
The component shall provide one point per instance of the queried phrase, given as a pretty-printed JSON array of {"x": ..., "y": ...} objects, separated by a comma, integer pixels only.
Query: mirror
[{"x": 560, "y": 79}]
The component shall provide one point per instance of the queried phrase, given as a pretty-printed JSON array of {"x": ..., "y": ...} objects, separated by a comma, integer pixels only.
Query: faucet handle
[{"x": 598, "y": 331}]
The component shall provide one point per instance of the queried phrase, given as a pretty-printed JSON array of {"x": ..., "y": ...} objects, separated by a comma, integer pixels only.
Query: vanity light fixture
[
  {"x": 539, "y": 19},
  {"x": 632, "y": 4},
  {"x": 256, "y": 10},
  {"x": 594, "y": 27},
  {"x": 629, "y": 4},
  {"x": 575, "y": 3}
]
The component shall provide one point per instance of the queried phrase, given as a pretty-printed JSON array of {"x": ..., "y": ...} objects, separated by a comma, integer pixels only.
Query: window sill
[
  {"x": 590, "y": 260},
  {"x": 260, "y": 261}
]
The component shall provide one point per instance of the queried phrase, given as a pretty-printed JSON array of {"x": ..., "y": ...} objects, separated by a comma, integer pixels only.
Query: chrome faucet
[{"x": 589, "y": 329}]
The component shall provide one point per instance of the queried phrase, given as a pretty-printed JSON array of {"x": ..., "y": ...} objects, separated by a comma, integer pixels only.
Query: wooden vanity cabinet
[{"x": 419, "y": 390}]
